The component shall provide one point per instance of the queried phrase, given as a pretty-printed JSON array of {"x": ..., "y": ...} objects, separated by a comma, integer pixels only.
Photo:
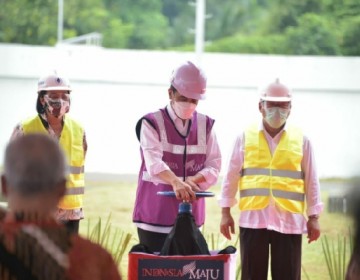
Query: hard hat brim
[
  {"x": 276, "y": 99},
  {"x": 55, "y": 88},
  {"x": 197, "y": 96}
]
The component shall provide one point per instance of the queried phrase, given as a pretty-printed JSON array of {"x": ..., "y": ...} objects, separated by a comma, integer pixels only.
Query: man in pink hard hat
[
  {"x": 180, "y": 153},
  {"x": 272, "y": 165}
]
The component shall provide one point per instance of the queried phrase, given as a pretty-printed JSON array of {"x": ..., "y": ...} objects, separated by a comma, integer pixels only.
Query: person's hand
[
  {"x": 192, "y": 183},
  {"x": 313, "y": 228},
  {"x": 227, "y": 226},
  {"x": 183, "y": 190}
]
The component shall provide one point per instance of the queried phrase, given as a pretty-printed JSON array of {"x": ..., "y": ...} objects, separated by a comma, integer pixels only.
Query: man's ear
[
  {"x": 4, "y": 190},
  {"x": 170, "y": 92}
]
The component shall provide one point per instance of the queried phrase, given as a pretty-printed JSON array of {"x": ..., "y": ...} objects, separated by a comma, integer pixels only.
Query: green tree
[
  {"x": 233, "y": 16},
  {"x": 342, "y": 9},
  {"x": 351, "y": 37},
  {"x": 181, "y": 19},
  {"x": 316, "y": 27},
  {"x": 312, "y": 36},
  {"x": 149, "y": 25},
  {"x": 285, "y": 13},
  {"x": 35, "y": 22},
  {"x": 271, "y": 44},
  {"x": 28, "y": 22},
  {"x": 82, "y": 17}
]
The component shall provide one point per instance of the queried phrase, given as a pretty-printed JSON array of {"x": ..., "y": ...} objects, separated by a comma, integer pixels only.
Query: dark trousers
[
  {"x": 72, "y": 226},
  {"x": 284, "y": 249},
  {"x": 153, "y": 240}
]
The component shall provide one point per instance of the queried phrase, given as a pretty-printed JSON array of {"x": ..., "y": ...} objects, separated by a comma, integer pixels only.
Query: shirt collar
[
  {"x": 261, "y": 126},
  {"x": 171, "y": 112},
  {"x": 276, "y": 138}
]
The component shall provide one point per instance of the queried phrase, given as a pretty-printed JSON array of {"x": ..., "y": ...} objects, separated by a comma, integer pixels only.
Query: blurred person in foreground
[
  {"x": 33, "y": 245},
  {"x": 353, "y": 269},
  {"x": 52, "y": 106},
  {"x": 180, "y": 153},
  {"x": 272, "y": 165}
]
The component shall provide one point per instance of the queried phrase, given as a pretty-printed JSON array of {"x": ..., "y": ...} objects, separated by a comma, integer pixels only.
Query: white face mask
[
  {"x": 184, "y": 110},
  {"x": 276, "y": 116}
]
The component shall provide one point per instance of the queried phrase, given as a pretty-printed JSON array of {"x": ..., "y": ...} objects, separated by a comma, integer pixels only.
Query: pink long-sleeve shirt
[{"x": 272, "y": 217}]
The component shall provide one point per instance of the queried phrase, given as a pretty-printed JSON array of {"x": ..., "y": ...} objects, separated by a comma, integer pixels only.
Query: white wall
[{"x": 303, "y": 73}]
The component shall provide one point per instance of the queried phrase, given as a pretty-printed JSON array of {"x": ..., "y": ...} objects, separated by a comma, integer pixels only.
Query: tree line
[{"x": 290, "y": 27}]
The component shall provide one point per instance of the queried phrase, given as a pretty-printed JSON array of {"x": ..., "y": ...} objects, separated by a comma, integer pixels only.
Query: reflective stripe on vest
[
  {"x": 279, "y": 175},
  {"x": 71, "y": 141},
  {"x": 200, "y": 148},
  {"x": 75, "y": 191},
  {"x": 269, "y": 172},
  {"x": 277, "y": 193},
  {"x": 76, "y": 169}
]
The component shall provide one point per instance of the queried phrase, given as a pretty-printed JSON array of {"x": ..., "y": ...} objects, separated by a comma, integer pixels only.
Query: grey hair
[{"x": 33, "y": 164}]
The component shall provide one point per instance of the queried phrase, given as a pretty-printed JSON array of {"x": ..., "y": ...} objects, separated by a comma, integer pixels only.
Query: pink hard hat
[
  {"x": 53, "y": 81},
  {"x": 189, "y": 80},
  {"x": 277, "y": 92}
]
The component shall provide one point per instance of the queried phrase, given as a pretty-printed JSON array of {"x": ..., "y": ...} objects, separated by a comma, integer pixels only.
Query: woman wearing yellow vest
[
  {"x": 272, "y": 166},
  {"x": 52, "y": 105}
]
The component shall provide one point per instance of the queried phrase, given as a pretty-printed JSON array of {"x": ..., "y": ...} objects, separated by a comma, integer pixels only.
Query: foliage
[
  {"x": 35, "y": 22},
  {"x": 285, "y": 13},
  {"x": 113, "y": 239},
  {"x": 315, "y": 27},
  {"x": 182, "y": 28},
  {"x": 150, "y": 32},
  {"x": 27, "y": 22},
  {"x": 336, "y": 256},
  {"x": 350, "y": 40},
  {"x": 225, "y": 20},
  {"x": 271, "y": 44},
  {"x": 312, "y": 36},
  {"x": 149, "y": 24}
]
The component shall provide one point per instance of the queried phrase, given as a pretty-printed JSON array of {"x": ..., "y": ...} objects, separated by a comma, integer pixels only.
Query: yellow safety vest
[
  {"x": 71, "y": 141},
  {"x": 278, "y": 175}
]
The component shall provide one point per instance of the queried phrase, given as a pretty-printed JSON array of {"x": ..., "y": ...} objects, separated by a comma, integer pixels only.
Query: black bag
[{"x": 185, "y": 238}]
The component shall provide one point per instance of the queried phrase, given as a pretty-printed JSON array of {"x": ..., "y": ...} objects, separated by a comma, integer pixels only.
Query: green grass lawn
[{"x": 117, "y": 198}]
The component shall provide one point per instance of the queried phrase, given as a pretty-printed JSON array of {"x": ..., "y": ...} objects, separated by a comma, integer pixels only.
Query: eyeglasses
[{"x": 283, "y": 105}]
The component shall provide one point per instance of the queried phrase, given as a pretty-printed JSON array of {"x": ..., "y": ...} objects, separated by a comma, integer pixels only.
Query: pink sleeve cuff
[
  {"x": 227, "y": 202},
  {"x": 315, "y": 210}
]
